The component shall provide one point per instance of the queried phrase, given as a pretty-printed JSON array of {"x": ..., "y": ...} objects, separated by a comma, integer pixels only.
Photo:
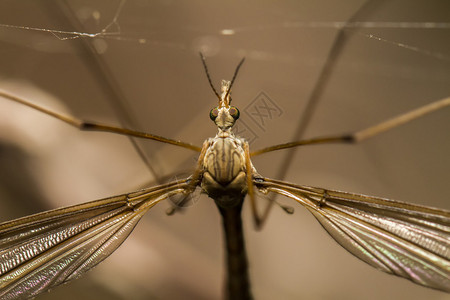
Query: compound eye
[
  {"x": 234, "y": 112},
  {"x": 213, "y": 113}
]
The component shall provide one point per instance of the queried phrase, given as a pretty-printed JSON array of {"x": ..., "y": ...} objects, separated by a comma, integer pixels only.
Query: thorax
[
  {"x": 224, "y": 168},
  {"x": 225, "y": 158}
]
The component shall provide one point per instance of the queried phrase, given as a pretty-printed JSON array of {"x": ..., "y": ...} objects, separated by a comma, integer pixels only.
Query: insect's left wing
[
  {"x": 44, "y": 250},
  {"x": 403, "y": 239}
]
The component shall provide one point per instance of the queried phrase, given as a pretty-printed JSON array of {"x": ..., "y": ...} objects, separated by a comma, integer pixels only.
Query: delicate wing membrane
[
  {"x": 42, "y": 251},
  {"x": 403, "y": 239}
]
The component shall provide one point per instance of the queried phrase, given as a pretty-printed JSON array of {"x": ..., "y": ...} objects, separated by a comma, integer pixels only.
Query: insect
[{"x": 44, "y": 250}]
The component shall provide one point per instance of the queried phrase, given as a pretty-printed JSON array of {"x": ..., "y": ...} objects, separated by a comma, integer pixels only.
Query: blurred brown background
[{"x": 143, "y": 72}]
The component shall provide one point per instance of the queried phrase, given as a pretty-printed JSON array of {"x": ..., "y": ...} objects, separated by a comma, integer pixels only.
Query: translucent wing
[
  {"x": 403, "y": 239},
  {"x": 44, "y": 250}
]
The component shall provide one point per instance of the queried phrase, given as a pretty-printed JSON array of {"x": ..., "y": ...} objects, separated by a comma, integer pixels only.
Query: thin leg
[
  {"x": 89, "y": 126},
  {"x": 366, "y": 133},
  {"x": 250, "y": 187},
  {"x": 250, "y": 177},
  {"x": 194, "y": 180}
]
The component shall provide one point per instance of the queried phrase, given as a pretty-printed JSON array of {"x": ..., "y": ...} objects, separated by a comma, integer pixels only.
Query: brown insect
[{"x": 44, "y": 250}]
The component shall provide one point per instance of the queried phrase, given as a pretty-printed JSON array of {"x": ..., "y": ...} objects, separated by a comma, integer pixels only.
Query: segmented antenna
[
  {"x": 207, "y": 75},
  {"x": 234, "y": 77}
]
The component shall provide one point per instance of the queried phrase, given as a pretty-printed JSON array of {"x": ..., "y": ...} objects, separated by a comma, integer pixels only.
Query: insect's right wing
[
  {"x": 44, "y": 250},
  {"x": 403, "y": 239}
]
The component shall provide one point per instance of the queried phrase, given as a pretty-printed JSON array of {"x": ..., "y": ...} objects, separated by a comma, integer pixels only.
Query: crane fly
[{"x": 44, "y": 250}]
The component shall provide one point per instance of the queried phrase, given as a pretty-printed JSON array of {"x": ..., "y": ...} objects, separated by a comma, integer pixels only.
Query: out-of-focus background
[{"x": 135, "y": 63}]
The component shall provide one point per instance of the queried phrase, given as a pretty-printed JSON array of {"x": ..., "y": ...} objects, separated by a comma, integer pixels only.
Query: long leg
[
  {"x": 326, "y": 73},
  {"x": 194, "y": 181},
  {"x": 341, "y": 39},
  {"x": 355, "y": 137},
  {"x": 90, "y": 126},
  {"x": 366, "y": 133},
  {"x": 250, "y": 187}
]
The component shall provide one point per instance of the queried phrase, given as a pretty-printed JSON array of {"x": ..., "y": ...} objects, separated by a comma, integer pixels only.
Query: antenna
[
  {"x": 234, "y": 77},
  {"x": 207, "y": 75}
]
